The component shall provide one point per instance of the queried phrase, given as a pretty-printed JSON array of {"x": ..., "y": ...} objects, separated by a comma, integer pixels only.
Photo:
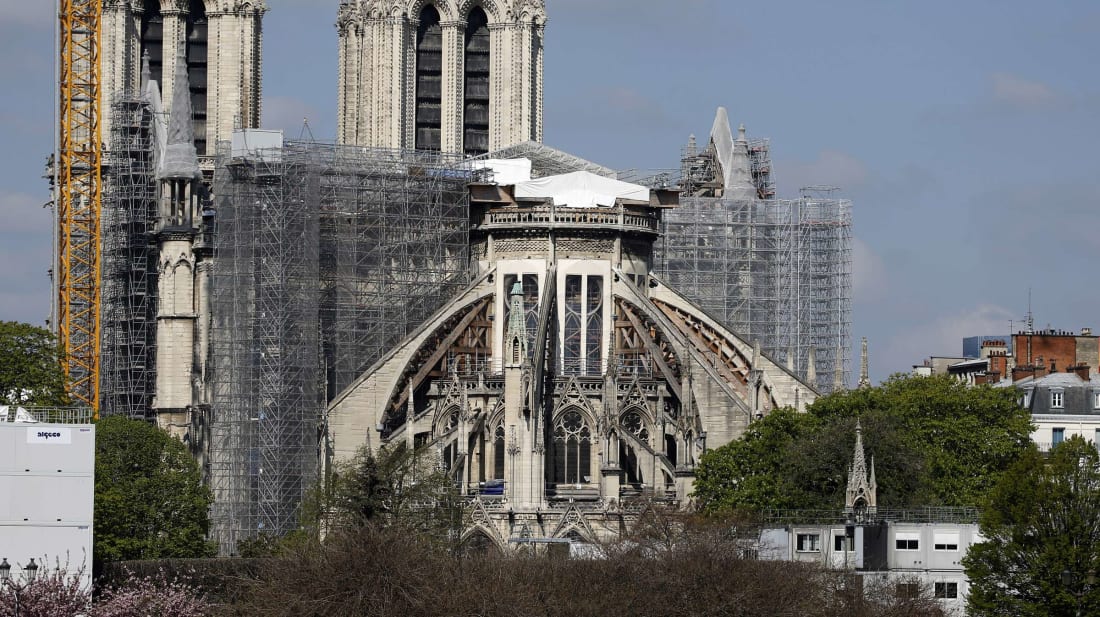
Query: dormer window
[
  {"x": 1056, "y": 399},
  {"x": 1025, "y": 400}
]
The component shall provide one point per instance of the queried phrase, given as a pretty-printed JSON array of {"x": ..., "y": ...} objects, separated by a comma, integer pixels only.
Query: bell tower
[{"x": 456, "y": 76}]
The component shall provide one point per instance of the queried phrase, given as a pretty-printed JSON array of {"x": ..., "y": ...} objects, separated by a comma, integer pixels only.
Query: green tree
[
  {"x": 149, "y": 500},
  {"x": 394, "y": 486},
  {"x": 934, "y": 440},
  {"x": 30, "y": 373},
  {"x": 1041, "y": 554}
]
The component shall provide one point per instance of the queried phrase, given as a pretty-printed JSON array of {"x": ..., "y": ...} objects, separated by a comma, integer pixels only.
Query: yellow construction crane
[{"x": 78, "y": 196}]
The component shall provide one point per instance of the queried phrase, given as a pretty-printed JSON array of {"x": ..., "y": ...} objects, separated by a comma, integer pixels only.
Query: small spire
[
  {"x": 864, "y": 378},
  {"x": 180, "y": 128},
  {"x": 180, "y": 157},
  {"x": 146, "y": 71},
  {"x": 741, "y": 133},
  {"x": 517, "y": 325},
  {"x": 861, "y": 495},
  {"x": 811, "y": 367}
]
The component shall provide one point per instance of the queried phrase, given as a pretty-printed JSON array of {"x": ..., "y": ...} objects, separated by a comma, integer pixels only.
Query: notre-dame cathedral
[{"x": 556, "y": 375}]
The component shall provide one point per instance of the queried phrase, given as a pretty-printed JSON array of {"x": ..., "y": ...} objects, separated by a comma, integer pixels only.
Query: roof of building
[
  {"x": 1053, "y": 380},
  {"x": 547, "y": 161},
  {"x": 581, "y": 189}
]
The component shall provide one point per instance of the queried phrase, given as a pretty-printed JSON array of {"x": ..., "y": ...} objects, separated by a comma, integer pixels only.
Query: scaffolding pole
[
  {"x": 128, "y": 375},
  {"x": 324, "y": 257},
  {"x": 773, "y": 271}
]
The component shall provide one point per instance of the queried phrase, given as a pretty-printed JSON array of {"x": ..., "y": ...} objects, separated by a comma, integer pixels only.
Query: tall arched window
[
  {"x": 475, "y": 109},
  {"x": 196, "y": 69},
  {"x": 152, "y": 38},
  {"x": 429, "y": 80},
  {"x": 498, "y": 452},
  {"x": 572, "y": 449}
]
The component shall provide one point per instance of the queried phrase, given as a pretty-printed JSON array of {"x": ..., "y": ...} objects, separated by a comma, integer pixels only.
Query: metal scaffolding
[
  {"x": 128, "y": 374},
  {"x": 325, "y": 257},
  {"x": 774, "y": 271}
]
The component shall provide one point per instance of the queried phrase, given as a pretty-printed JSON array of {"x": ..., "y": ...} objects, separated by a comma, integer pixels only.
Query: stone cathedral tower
[
  {"x": 223, "y": 46},
  {"x": 461, "y": 76}
]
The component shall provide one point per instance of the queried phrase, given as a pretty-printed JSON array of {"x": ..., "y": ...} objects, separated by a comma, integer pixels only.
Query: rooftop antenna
[
  {"x": 306, "y": 129},
  {"x": 1030, "y": 319}
]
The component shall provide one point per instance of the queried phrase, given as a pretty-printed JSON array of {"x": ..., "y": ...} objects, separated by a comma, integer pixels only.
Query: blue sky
[{"x": 966, "y": 134}]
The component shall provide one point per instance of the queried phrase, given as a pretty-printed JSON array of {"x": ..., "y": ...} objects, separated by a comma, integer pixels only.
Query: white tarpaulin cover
[
  {"x": 507, "y": 171},
  {"x": 581, "y": 189}
]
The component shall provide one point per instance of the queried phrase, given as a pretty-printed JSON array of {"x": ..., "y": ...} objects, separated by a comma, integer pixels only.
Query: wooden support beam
[
  {"x": 654, "y": 351},
  {"x": 440, "y": 351}
]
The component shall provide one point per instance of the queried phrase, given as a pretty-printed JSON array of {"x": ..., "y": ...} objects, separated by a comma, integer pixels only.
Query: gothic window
[
  {"x": 572, "y": 449},
  {"x": 197, "y": 36},
  {"x": 571, "y": 363},
  {"x": 429, "y": 80},
  {"x": 634, "y": 424},
  {"x": 594, "y": 325},
  {"x": 152, "y": 38},
  {"x": 450, "y": 423},
  {"x": 583, "y": 325},
  {"x": 475, "y": 116},
  {"x": 498, "y": 452}
]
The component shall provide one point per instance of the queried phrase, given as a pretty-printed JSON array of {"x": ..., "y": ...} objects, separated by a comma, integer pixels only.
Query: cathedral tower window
[
  {"x": 572, "y": 449},
  {"x": 197, "y": 37},
  {"x": 429, "y": 80},
  {"x": 594, "y": 324},
  {"x": 582, "y": 325},
  {"x": 475, "y": 111},
  {"x": 152, "y": 38}
]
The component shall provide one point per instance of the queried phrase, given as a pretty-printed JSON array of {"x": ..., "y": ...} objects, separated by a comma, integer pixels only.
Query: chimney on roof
[
  {"x": 1086, "y": 331},
  {"x": 1081, "y": 370}
]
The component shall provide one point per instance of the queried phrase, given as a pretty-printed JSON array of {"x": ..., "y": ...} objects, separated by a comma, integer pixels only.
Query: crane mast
[{"x": 79, "y": 197}]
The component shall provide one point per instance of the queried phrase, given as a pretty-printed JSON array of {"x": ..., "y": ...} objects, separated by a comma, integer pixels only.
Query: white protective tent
[{"x": 581, "y": 189}]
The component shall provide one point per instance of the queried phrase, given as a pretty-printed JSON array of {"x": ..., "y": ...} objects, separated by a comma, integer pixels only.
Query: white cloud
[{"x": 1019, "y": 92}]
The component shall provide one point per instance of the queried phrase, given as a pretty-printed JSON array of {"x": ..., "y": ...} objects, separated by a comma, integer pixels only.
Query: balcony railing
[
  {"x": 46, "y": 415},
  {"x": 554, "y": 217}
]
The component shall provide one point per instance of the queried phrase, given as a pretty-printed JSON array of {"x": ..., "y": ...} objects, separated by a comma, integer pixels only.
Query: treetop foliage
[
  {"x": 1041, "y": 525},
  {"x": 934, "y": 441},
  {"x": 149, "y": 499},
  {"x": 30, "y": 373}
]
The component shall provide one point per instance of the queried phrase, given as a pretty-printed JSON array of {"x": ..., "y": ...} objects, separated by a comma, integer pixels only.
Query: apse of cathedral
[{"x": 567, "y": 384}]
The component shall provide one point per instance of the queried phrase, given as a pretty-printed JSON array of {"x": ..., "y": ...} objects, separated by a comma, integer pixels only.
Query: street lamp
[
  {"x": 30, "y": 572},
  {"x": 1069, "y": 579}
]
